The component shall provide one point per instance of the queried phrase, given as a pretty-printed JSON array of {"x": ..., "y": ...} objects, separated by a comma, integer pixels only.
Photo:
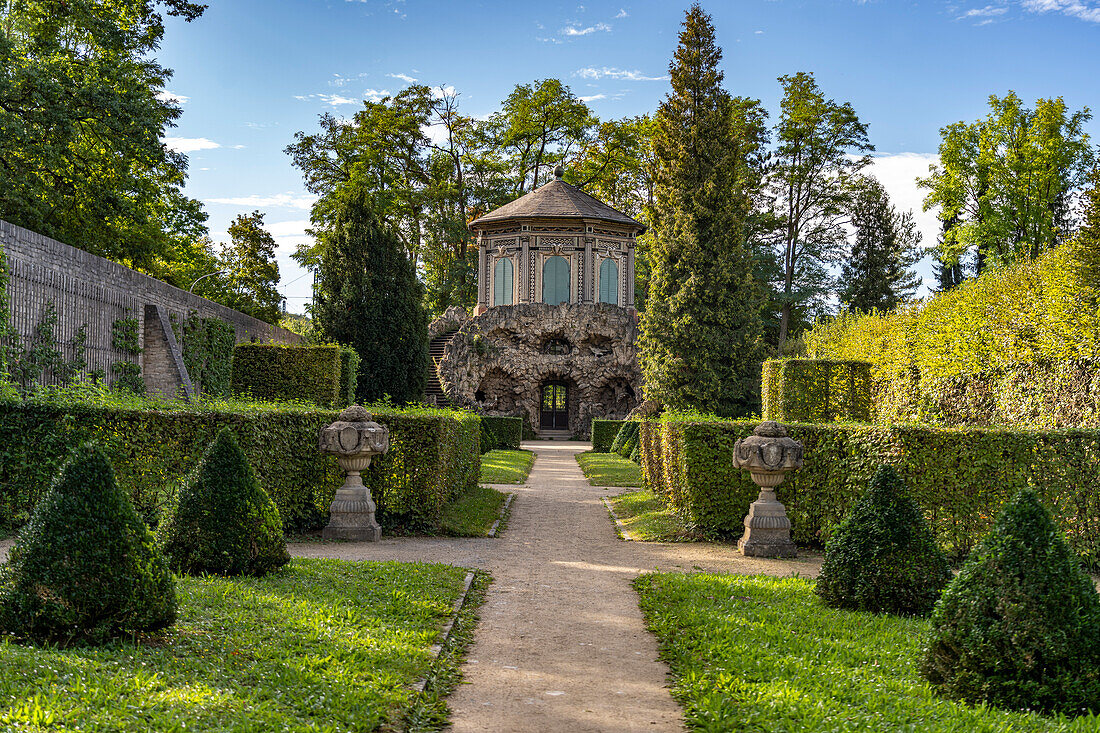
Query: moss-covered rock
[
  {"x": 1019, "y": 627},
  {"x": 85, "y": 567},
  {"x": 223, "y": 521},
  {"x": 883, "y": 557}
]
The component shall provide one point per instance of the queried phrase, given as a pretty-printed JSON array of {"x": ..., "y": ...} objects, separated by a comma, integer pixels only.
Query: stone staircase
[{"x": 433, "y": 390}]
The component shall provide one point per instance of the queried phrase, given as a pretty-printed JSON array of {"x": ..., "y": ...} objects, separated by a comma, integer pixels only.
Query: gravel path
[{"x": 561, "y": 645}]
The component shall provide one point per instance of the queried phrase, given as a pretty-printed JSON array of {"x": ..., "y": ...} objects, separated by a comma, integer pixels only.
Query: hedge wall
[
  {"x": 961, "y": 477},
  {"x": 816, "y": 390},
  {"x": 433, "y": 456},
  {"x": 208, "y": 353},
  {"x": 603, "y": 432},
  {"x": 507, "y": 431},
  {"x": 318, "y": 374}
]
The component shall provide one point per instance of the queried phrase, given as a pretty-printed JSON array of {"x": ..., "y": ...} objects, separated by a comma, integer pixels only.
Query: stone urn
[
  {"x": 767, "y": 455},
  {"x": 354, "y": 439}
]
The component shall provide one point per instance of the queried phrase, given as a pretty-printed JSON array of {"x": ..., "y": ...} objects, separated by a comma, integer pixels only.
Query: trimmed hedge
[
  {"x": 603, "y": 434},
  {"x": 960, "y": 477},
  {"x": 322, "y": 375},
  {"x": 816, "y": 390},
  {"x": 507, "y": 432},
  {"x": 433, "y": 456},
  {"x": 349, "y": 375}
]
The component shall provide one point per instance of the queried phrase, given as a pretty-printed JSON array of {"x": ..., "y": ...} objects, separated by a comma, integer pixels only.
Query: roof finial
[{"x": 559, "y": 172}]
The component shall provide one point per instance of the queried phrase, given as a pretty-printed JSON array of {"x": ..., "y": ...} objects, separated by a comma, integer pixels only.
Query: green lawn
[
  {"x": 762, "y": 654},
  {"x": 506, "y": 466},
  {"x": 609, "y": 469},
  {"x": 320, "y": 645},
  {"x": 473, "y": 513},
  {"x": 644, "y": 517}
]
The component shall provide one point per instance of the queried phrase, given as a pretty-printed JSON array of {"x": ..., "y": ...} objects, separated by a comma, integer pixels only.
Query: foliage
[
  {"x": 701, "y": 334},
  {"x": 816, "y": 390},
  {"x": 85, "y": 566},
  {"x": 604, "y": 433},
  {"x": 609, "y": 469},
  {"x": 1019, "y": 627},
  {"x": 473, "y": 512},
  {"x": 222, "y": 520},
  {"x": 757, "y": 653},
  {"x": 507, "y": 432},
  {"x": 41, "y": 359},
  {"x": 124, "y": 338},
  {"x": 279, "y": 371},
  {"x": 154, "y": 445},
  {"x": 959, "y": 477},
  {"x": 1031, "y": 325},
  {"x": 1005, "y": 184},
  {"x": 297, "y": 323},
  {"x": 252, "y": 274},
  {"x": 626, "y": 429},
  {"x": 208, "y": 348},
  {"x": 876, "y": 274},
  {"x": 506, "y": 466},
  {"x": 883, "y": 558},
  {"x": 368, "y": 296},
  {"x": 83, "y": 110},
  {"x": 820, "y": 147},
  {"x": 349, "y": 374},
  {"x": 242, "y": 644}
]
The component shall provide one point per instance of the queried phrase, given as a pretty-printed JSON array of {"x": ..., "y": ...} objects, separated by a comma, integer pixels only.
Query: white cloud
[
  {"x": 334, "y": 100},
  {"x": 593, "y": 98},
  {"x": 285, "y": 200},
  {"x": 439, "y": 91},
  {"x": 403, "y": 77},
  {"x": 547, "y": 40},
  {"x": 759, "y": 33},
  {"x": 622, "y": 14},
  {"x": 166, "y": 96},
  {"x": 284, "y": 229},
  {"x": 592, "y": 72},
  {"x": 1087, "y": 10},
  {"x": 898, "y": 173},
  {"x": 190, "y": 144},
  {"x": 573, "y": 30},
  {"x": 375, "y": 95},
  {"x": 989, "y": 11}
]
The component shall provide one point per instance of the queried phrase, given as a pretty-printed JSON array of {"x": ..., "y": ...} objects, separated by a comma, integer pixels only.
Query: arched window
[
  {"x": 609, "y": 281},
  {"x": 555, "y": 280},
  {"x": 502, "y": 283}
]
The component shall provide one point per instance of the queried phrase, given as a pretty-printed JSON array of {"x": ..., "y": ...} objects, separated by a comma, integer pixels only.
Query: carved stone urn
[
  {"x": 354, "y": 439},
  {"x": 767, "y": 455}
]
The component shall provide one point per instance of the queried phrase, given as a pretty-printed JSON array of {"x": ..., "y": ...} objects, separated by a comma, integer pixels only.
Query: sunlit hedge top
[{"x": 817, "y": 390}]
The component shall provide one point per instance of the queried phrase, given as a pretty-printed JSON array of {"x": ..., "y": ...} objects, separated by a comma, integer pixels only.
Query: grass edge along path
[
  {"x": 609, "y": 469},
  {"x": 473, "y": 513},
  {"x": 506, "y": 466},
  {"x": 758, "y": 653},
  {"x": 321, "y": 643},
  {"x": 642, "y": 517}
]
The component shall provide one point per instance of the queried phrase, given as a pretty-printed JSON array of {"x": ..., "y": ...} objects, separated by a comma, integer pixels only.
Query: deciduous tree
[{"x": 252, "y": 274}]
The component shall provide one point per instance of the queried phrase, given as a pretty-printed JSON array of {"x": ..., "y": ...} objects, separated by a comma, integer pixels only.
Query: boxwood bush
[
  {"x": 433, "y": 455},
  {"x": 959, "y": 477},
  {"x": 506, "y": 432},
  {"x": 323, "y": 375},
  {"x": 85, "y": 567},
  {"x": 603, "y": 434}
]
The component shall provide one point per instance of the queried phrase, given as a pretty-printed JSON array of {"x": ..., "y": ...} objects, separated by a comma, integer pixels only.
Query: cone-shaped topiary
[
  {"x": 1019, "y": 627},
  {"x": 85, "y": 567},
  {"x": 883, "y": 557},
  {"x": 223, "y": 521}
]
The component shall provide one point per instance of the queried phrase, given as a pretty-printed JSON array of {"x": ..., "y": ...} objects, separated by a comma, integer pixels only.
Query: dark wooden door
[{"x": 555, "y": 407}]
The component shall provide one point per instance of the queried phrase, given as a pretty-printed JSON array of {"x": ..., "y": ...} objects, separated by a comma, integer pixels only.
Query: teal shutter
[
  {"x": 502, "y": 283},
  {"x": 609, "y": 281},
  {"x": 555, "y": 281}
]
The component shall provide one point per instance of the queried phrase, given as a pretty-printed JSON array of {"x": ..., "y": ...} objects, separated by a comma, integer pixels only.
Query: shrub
[
  {"x": 85, "y": 567},
  {"x": 630, "y": 439},
  {"x": 603, "y": 434},
  {"x": 626, "y": 430},
  {"x": 223, "y": 521},
  {"x": 1020, "y": 625},
  {"x": 816, "y": 390},
  {"x": 349, "y": 375},
  {"x": 280, "y": 372},
  {"x": 883, "y": 557},
  {"x": 635, "y": 455},
  {"x": 507, "y": 432},
  {"x": 488, "y": 439},
  {"x": 959, "y": 477}
]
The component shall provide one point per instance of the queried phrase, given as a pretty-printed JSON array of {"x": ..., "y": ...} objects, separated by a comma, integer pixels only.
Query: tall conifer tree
[
  {"x": 701, "y": 343},
  {"x": 367, "y": 295}
]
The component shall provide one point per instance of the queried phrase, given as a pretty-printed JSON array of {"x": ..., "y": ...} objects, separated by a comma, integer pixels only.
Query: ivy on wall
[
  {"x": 124, "y": 338},
  {"x": 207, "y": 345}
]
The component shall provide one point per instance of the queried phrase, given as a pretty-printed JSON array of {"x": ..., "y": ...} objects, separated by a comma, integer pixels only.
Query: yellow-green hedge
[
  {"x": 323, "y": 375},
  {"x": 816, "y": 390},
  {"x": 603, "y": 434},
  {"x": 961, "y": 477}
]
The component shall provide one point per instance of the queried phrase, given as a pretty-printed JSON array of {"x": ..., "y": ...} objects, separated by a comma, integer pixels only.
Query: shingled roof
[{"x": 557, "y": 200}]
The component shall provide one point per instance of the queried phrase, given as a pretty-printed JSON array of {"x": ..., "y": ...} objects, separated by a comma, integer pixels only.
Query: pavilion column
[
  {"x": 628, "y": 286},
  {"x": 589, "y": 272},
  {"x": 524, "y": 269},
  {"x": 482, "y": 275}
]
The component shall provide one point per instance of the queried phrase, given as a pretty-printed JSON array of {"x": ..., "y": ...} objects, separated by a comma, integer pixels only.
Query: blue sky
[{"x": 250, "y": 73}]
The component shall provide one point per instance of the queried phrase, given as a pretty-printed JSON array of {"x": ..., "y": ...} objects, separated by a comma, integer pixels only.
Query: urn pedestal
[
  {"x": 354, "y": 439},
  {"x": 767, "y": 455}
]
